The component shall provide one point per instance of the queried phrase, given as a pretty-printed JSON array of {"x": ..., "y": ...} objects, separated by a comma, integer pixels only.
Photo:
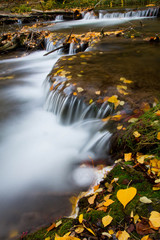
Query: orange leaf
[
  {"x": 51, "y": 227},
  {"x": 127, "y": 157},
  {"x": 126, "y": 195},
  {"x": 92, "y": 198},
  {"x": 157, "y": 113}
]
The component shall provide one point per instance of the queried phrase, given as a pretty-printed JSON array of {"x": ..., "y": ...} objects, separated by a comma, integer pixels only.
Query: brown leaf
[{"x": 143, "y": 228}]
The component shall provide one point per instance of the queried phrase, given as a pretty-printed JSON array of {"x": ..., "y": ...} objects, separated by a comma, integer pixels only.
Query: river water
[{"x": 39, "y": 156}]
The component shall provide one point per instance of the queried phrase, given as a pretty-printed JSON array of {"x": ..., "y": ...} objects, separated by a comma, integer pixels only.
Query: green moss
[
  {"x": 94, "y": 215},
  {"x": 148, "y": 125},
  {"x": 65, "y": 227}
]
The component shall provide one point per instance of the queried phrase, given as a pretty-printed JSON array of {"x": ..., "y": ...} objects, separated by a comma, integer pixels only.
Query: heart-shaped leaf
[{"x": 126, "y": 195}]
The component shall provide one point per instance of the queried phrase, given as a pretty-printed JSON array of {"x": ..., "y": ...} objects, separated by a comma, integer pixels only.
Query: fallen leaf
[
  {"x": 116, "y": 117},
  {"x": 83, "y": 63},
  {"x": 143, "y": 227},
  {"x": 136, "y": 218},
  {"x": 111, "y": 231},
  {"x": 127, "y": 157},
  {"x": 104, "y": 209},
  {"x": 79, "y": 75},
  {"x": 79, "y": 89},
  {"x": 126, "y": 195},
  {"x": 124, "y": 80},
  {"x": 105, "y": 119},
  {"x": 158, "y": 135},
  {"x": 80, "y": 218},
  {"x": 48, "y": 238},
  {"x": 96, "y": 187},
  {"x": 90, "y": 101},
  {"x": 106, "y": 234},
  {"x": 51, "y": 227},
  {"x": 155, "y": 218},
  {"x": 136, "y": 134},
  {"x": 88, "y": 229},
  {"x": 119, "y": 127},
  {"x": 58, "y": 223},
  {"x": 108, "y": 202},
  {"x": 122, "y": 235},
  {"x": 80, "y": 229},
  {"x": 145, "y": 200},
  {"x": 92, "y": 198},
  {"x": 97, "y": 92},
  {"x": 145, "y": 237},
  {"x": 74, "y": 93},
  {"x": 157, "y": 113},
  {"x": 122, "y": 87},
  {"x": 133, "y": 120},
  {"x": 151, "y": 225},
  {"x": 107, "y": 220}
]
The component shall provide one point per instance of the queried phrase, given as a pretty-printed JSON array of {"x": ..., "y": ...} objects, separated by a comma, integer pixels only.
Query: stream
[{"x": 40, "y": 156}]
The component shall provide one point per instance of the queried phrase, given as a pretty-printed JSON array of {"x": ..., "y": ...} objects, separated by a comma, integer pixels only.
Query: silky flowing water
[{"x": 39, "y": 156}]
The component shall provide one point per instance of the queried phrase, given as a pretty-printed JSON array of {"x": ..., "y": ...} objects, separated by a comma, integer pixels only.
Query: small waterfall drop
[{"x": 59, "y": 18}]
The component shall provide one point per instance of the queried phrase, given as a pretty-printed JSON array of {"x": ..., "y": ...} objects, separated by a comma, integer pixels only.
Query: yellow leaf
[
  {"x": 67, "y": 234},
  {"x": 155, "y": 218},
  {"x": 136, "y": 134},
  {"x": 111, "y": 231},
  {"x": 145, "y": 200},
  {"x": 70, "y": 59},
  {"x": 136, "y": 218},
  {"x": 127, "y": 157},
  {"x": 145, "y": 237},
  {"x": 119, "y": 127},
  {"x": 83, "y": 63},
  {"x": 92, "y": 198},
  {"x": 65, "y": 238},
  {"x": 48, "y": 238},
  {"x": 90, "y": 230},
  {"x": 81, "y": 218},
  {"x": 124, "y": 80},
  {"x": 58, "y": 223},
  {"x": 116, "y": 117},
  {"x": 122, "y": 235},
  {"x": 51, "y": 227},
  {"x": 122, "y": 87},
  {"x": 156, "y": 188},
  {"x": 107, "y": 197},
  {"x": 105, "y": 119},
  {"x": 79, "y": 89},
  {"x": 108, "y": 202},
  {"x": 107, "y": 220},
  {"x": 80, "y": 229},
  {"x": 75, "y": 94},
  {"x": 79, "y": 75},
  {"x": 90, "y": 101},
  {"x": 126, "y": 195},
  {"x": 158, "y": 135},
  {"x": 112, "y": 99},
  {"x": 82, "y": 56}
]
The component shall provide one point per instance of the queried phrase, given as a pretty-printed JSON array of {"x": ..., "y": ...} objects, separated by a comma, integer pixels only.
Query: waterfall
[
  {"x": 59, "y": 18},
  {"x": 149, "y": 12},
  {"x": 72, "y": 49},
  {"x": 70, "y": 109}
]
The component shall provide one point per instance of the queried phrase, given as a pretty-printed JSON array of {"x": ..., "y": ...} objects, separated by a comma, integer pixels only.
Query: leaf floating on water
[
  {"x": 155, "y": 218},
  {"x": 122, "y": 235},
  {"x": 127, "y": 157},
  {"x": 126, "y": 195},
  {"x": 145, "y": 200},
  {"x": 107, "y": 220}
]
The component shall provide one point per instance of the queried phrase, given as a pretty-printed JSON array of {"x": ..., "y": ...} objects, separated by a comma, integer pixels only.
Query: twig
[{"x": 53, "y": 50}]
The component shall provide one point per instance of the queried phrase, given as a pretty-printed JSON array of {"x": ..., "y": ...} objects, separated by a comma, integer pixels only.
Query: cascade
[
  {"x": 149, "y": 12},
  {"x": 59, "y": 18}
]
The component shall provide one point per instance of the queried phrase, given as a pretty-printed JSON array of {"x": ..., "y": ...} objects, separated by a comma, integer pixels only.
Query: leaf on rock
[
  {"x": 79, "y": 89},
  {"x": 145, "y": 200},
  {"x": 122, "y": 235},
  {"x": 97, "y": 92},
  {"x": 74, "y": 94},
  {"x": 124, "y": 80},
  {"x": 107, "y": 220},
  {"x": 155, "y": 218},
  {"x": 126, "y": 195}
]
